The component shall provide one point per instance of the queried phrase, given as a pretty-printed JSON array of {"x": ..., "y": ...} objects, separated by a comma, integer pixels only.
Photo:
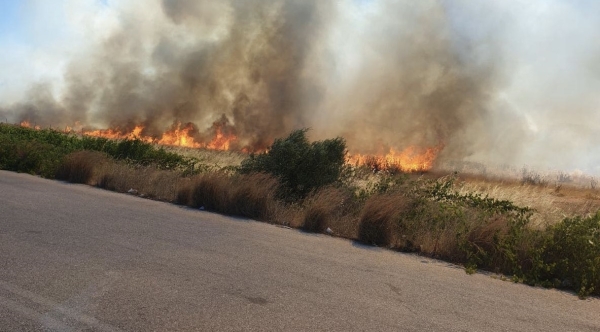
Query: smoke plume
[{"x": 490, "y": 82}]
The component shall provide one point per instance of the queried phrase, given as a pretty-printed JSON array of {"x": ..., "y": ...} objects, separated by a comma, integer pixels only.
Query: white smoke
[{"x": 495, "y": 81}]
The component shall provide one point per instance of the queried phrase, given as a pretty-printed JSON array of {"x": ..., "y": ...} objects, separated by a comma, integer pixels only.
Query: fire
[
  {"x": 118, "y": 133},
  {"x": 27, "y": 124},
  {"x": 184, "y": 135},
  {"x": 222, "y": 136},
  {"x": 411, "y": 159},
  {"x": 221, "y": 141},
  {"x": 180, "y": 136}
]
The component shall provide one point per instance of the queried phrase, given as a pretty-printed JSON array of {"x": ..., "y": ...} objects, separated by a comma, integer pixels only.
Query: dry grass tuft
[
  {"x": 184, "y": 193},
  {"x": 78, "y": 167},
  {"x": 147, "y": 181},
  {"x": 328, "y": 207},
  {"x": 379, "y": 217},
  {"x": 319, "y": 209},
  {"x": 211, "y": 191},
  {"x": 251, "y": 195}
]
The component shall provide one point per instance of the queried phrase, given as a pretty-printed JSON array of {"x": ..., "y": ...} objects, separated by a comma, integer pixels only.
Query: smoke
[{"x": 498, "y": 82}]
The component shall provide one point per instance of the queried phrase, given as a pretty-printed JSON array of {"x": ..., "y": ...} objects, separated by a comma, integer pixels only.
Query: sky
[
  {"x": 546, "y": 55},
  {"x": 38, "y": 38}
]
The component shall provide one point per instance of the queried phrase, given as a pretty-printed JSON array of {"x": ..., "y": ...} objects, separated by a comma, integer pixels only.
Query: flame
[
  {"x": 411, "y": 159},
  {"x": 222, "y": 137},
  {"x": 27, "y": 124},
  {"x": 77, "y": 127},
  {"x": 221, "y": 141},
  {"x": 184, "y": 135},
  {"x": 118, "y": 133},
  {"x": 180, "y": 136}
]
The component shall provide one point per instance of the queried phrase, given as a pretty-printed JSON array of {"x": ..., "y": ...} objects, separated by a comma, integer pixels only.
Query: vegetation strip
[{"x": 308, "y": 185}]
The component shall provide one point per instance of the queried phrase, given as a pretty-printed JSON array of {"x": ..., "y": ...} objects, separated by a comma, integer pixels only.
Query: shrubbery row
[{"x": 43, "y": 151}]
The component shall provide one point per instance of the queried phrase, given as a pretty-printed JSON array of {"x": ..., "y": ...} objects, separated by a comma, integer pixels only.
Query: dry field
[{"x": 553, "y": 195}]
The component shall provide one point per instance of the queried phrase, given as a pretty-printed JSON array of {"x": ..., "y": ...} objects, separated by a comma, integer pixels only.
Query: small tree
[{"x": 301, "y": 166}]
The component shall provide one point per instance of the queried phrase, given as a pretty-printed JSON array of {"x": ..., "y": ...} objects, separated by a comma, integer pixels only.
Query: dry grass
[
  {"x": 146, "y": 181},
  {"x": 568, "y": 195},
  {"x": 409, "y": 224},
  {"x": 553, "y": 194},
  {"x": 210, "y": 191},
  {"x": 251, "y": 195},
  {"x": 95, "y": 168},
  {"x": 78, "y": 167},
  {"x": 329, "y": 207},
  {"x": 551, "y": 203},
  {"x": 379, "y": 218},
  {"x": 214, "y": 159}
]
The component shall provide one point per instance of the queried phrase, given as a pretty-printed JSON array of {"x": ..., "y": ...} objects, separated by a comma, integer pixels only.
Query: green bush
[
  {"x": 42, "y": 151},
  {"x": 300, "y": 166},
  {"x": 571, "y": 256},
  {"x": 30, "y": 157}
]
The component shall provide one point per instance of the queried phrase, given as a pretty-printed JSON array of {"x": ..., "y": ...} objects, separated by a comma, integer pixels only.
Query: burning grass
[{"x": 544, "y": 233}]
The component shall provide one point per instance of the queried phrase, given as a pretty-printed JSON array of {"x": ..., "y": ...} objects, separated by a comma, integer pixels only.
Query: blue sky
[
  {"x": 37, "y": 37},
  {"x": 11, "y": 20},
  {"x": 11, "y": 29}
]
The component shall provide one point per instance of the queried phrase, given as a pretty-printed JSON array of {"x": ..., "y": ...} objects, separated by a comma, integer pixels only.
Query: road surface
[{"x": 75, "y": 258}]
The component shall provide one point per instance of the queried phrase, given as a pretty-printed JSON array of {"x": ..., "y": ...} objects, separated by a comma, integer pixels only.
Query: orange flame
[
  {"x": 411, "y": 159},
  {"x": 221, "y": 141},
  {"x": 27, "y": 124},
  {"x": 118, "y": 133},
  {"x": 179, "y": 136}
]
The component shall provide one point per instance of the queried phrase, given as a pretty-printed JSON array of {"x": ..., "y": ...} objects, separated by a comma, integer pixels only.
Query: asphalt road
[{"x": 74, "y": 258}]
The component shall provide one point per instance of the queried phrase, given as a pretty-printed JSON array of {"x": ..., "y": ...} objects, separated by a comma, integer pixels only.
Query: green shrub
[
  {"x": 571, "y": 255},
  {"x": 301, "y": 166},
  {"x": 490, "y": 232},
  {"x": 30, "y": 157},
  {"x": 42, "y": 151}
]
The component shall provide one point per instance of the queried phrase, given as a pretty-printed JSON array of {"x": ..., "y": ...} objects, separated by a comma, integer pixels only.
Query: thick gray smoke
[{"x": 489, "y": 82}]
